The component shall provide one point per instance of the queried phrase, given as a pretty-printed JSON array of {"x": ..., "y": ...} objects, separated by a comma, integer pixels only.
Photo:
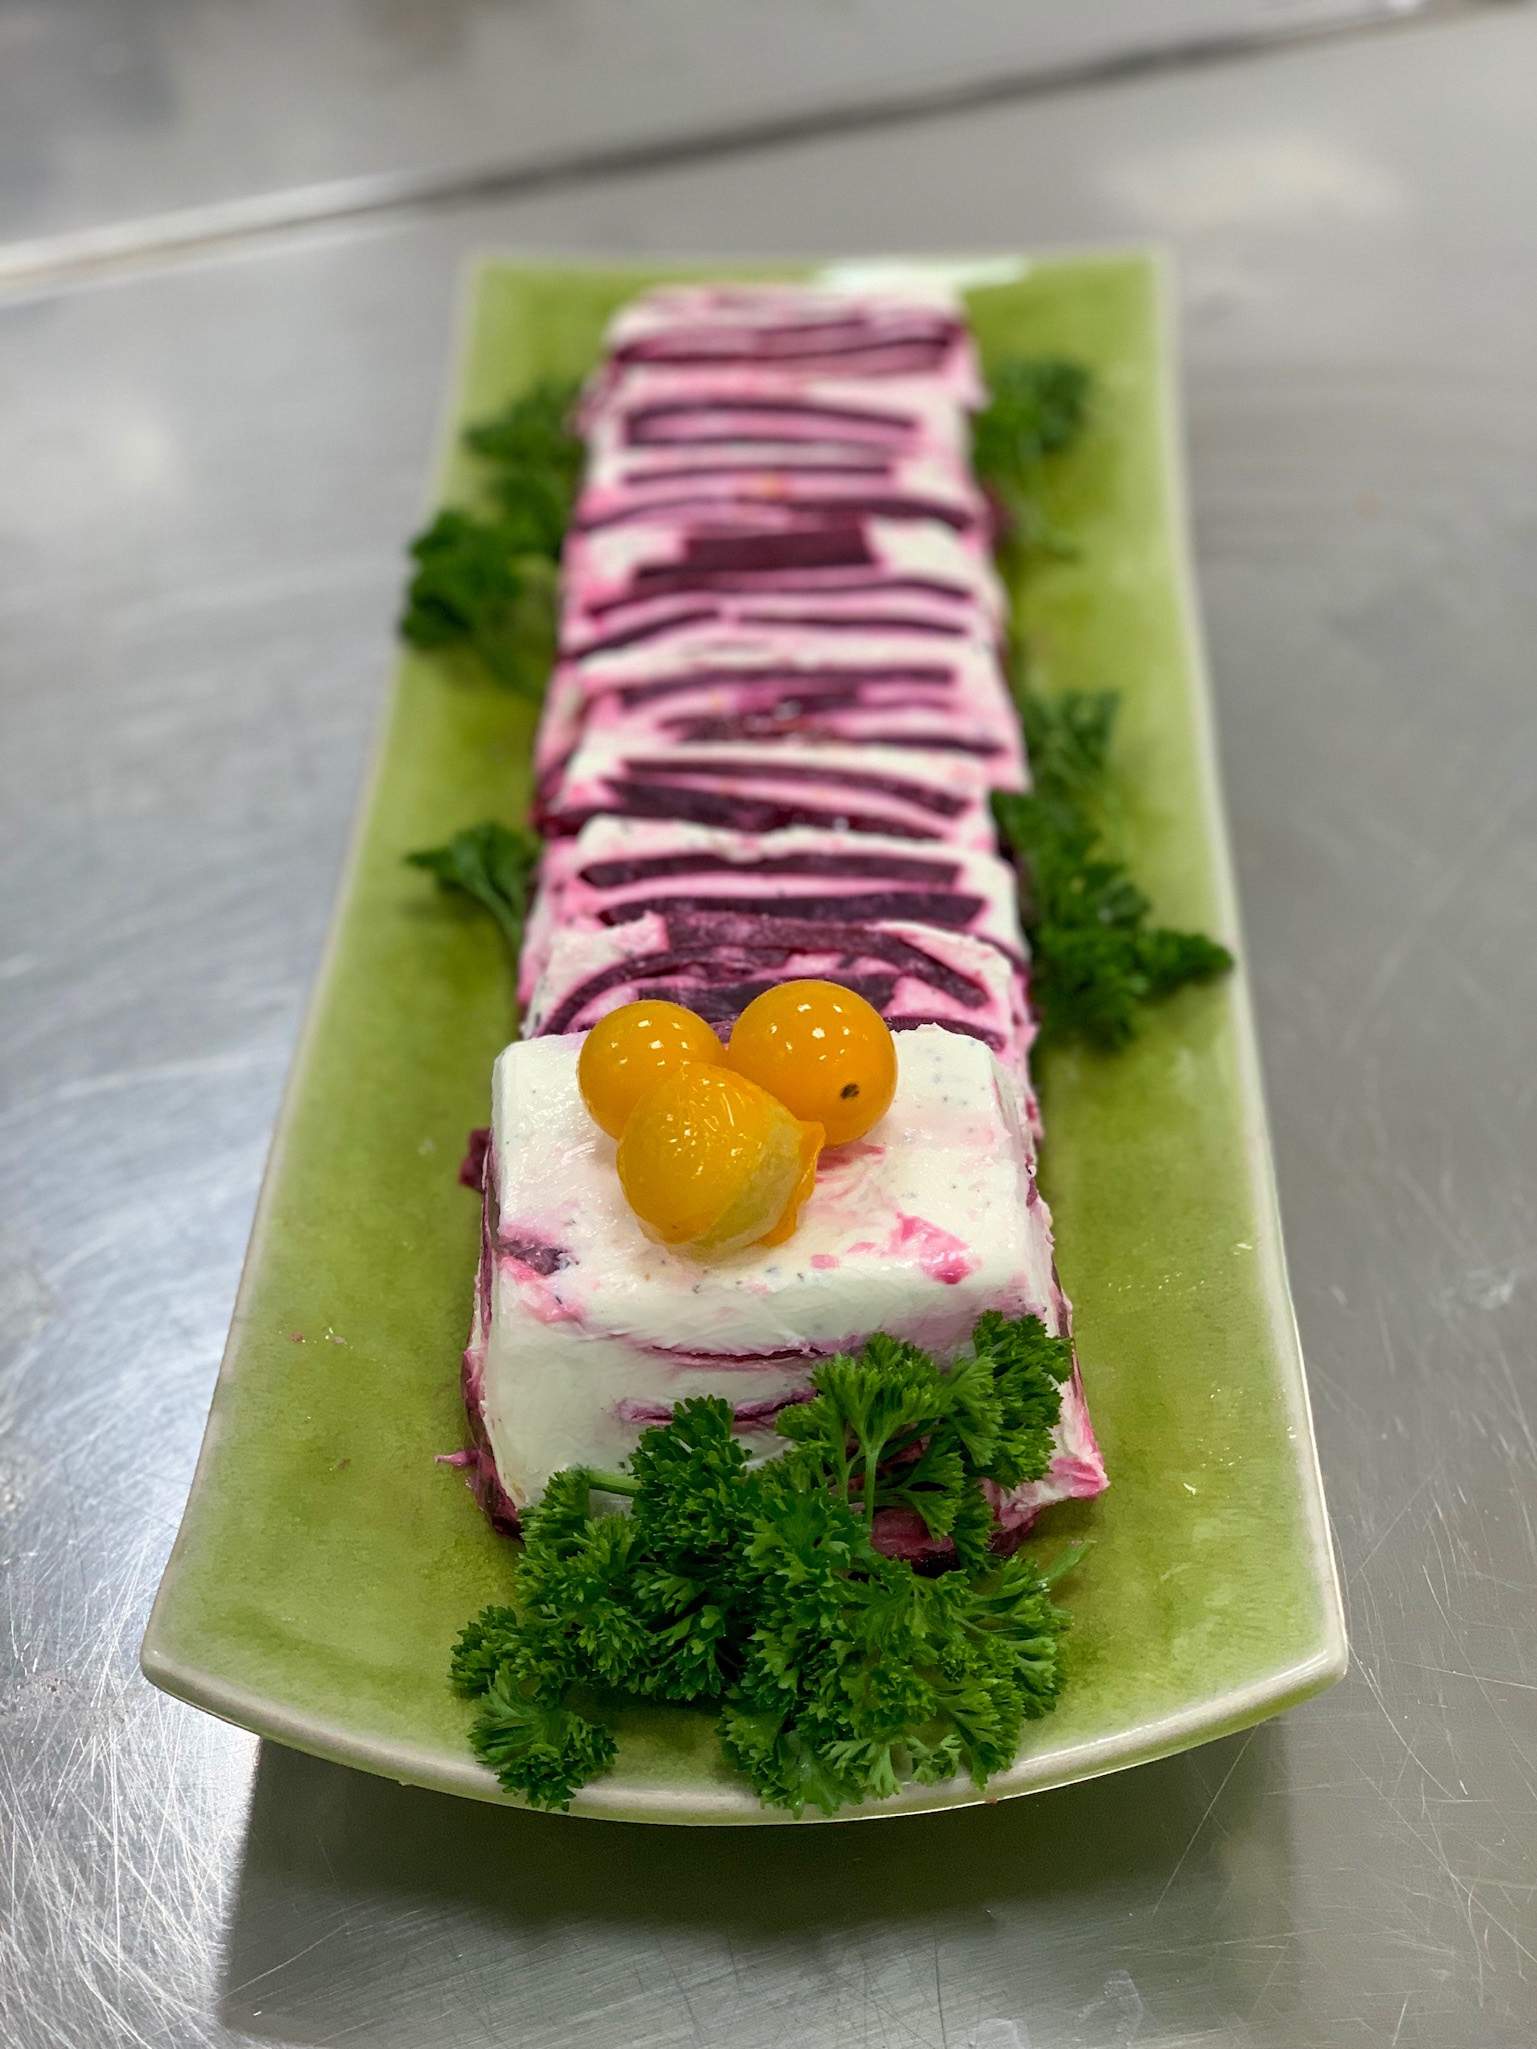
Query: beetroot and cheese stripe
[
  {"x": 799, "y": 332},
  {"x": 766, "y": 789},
  {"x": 617, "y": 870},
  {"x": 717, "y": 963},
  {"x": 709, "y": 682},
  {"x": 920, "y": 574},
  {"x": 798, "y": 491},
  {"x": 645, "y": 413}
]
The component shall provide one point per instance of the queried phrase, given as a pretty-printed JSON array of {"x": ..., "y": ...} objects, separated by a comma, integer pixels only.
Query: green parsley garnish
[
  {"x": 1038, "y": 408},
  {"x": 535, "y": 462},
  {"x": 1095, "y": 960},
  {"x": 484, "y": 585},
  {"x": 839, "y": 1673},
  {"x": 492, "y": 864},
  {"x": 477, "y": 591}
]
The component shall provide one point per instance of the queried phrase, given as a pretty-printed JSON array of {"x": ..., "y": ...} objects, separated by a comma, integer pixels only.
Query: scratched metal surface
[
  {"x": 112, "y": 109},
  {"x": 207, "y": 472}
]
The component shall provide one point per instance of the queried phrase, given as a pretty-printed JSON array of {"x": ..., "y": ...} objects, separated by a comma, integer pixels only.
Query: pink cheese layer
[
  {"x": 859, "y": 790},
  {"x": 800, "y": 331},
  {"x": 808, "y": 489},
  {"x": 615, "y": 576},
  {"x": 616, "y": 870},
  {"x": 626, "y": 585},
  {"x": 646, "y": 406},
  {"x": 716, "y": 963},
  {"x": 889, "y": 691}
]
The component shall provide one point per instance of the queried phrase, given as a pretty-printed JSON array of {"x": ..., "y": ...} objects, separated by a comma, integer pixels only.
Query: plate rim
[
  {"x": 619, "y": 1799},
  {"x": 424, "y": 1765}
]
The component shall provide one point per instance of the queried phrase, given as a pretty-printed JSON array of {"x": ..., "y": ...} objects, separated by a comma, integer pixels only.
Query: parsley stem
[
  {"x": 869, "y": 1486},
  {"x": 612, "y": 1483}
]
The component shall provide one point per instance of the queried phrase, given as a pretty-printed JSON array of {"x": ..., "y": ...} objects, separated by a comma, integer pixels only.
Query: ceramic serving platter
[{"x": 325, "y": 1562}]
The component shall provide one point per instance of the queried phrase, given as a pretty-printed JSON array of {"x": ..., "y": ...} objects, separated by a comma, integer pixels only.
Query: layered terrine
[{"x": 776, "y": 719}]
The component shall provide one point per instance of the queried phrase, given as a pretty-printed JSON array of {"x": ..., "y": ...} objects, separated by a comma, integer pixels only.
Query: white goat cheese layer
[{"x": 586, "y": 1332}]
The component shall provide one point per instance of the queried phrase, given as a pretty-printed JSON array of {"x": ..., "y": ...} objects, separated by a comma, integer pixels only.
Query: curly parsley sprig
[
  {"x": 1037, "y": 407},
  {"x": 484, "y": 584},
  {"x": 494, "y": 866},
  {"x": 1095, "y": 960},
  {"x": 840, "y": 1673}
]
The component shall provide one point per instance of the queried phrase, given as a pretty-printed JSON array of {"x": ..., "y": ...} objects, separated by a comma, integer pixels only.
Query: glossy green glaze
[{"x": 325, "y": 1562}]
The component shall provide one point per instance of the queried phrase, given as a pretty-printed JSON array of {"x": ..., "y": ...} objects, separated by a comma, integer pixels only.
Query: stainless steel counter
[
  {"x": 208, "y": 466},
  {"x": 115, "y": 111}
]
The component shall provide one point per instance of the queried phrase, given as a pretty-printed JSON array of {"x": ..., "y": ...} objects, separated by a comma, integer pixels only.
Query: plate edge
[
  {"x": 420, "y": 1766},
  {"x": 1259, "y": 1150}
]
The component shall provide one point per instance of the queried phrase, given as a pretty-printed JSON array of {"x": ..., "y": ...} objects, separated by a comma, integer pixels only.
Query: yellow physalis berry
[
  {"x": 634, "y": 1048},
  {"x": 711, "y": 1163},
  {"x": 826, "y": 1054}
]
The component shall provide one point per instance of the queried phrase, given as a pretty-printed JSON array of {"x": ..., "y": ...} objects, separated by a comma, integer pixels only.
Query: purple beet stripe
[
  {"x": 746, "y": 768},
  {"x": 954, "y": 910},
  {"x": 854, "y": 866},
  {"x": 628, "y": 798},
  {"x": 809, "y": 682}
]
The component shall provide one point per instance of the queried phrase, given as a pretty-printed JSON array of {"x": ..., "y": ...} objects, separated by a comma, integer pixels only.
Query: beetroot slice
[
  {"x": 664, "y": 580},
  {"x": 952, "y": 910},
  {"x": 630, "y": 799},
  {"x": 874, "y": 867},
  {"x": 749, "y": 768},
  {"x": 805, "y": 682},
  {"x": 790, "y": 405},
  {"x": 721, "y": 950}
]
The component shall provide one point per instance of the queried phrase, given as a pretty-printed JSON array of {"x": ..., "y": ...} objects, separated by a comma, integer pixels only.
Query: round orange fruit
[
  {"x": 826, "y": 1053},
  {"x": 711, "y": 1163},
  {"x": 631, "y": 1050}
]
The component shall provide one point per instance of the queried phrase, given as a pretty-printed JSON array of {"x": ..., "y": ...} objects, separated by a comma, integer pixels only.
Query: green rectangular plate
[{"x": 325, "y": 1562}]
